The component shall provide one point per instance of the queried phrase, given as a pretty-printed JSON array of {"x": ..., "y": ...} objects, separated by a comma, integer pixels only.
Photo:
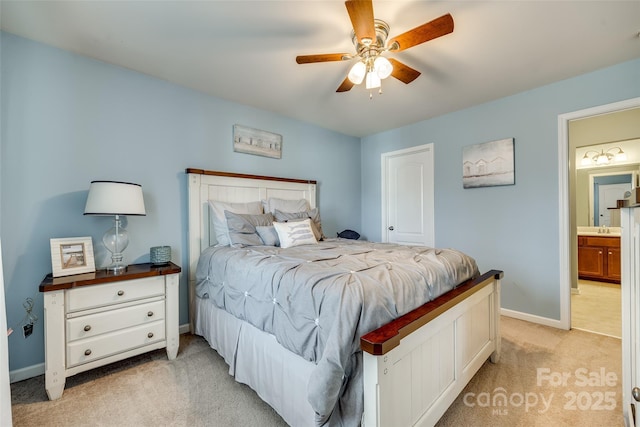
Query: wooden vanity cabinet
[{"x": 599, "y": 258}]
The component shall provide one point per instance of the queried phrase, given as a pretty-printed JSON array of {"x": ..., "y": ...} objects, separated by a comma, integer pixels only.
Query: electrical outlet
[{"x": 27, "y": 329}]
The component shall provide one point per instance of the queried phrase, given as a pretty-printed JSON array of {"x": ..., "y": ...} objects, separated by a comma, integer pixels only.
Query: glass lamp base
[{"x": 116, "y": 268}]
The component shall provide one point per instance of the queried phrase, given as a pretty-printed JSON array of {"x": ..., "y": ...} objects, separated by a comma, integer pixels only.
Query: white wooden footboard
[{"x": 415, "y": 367}]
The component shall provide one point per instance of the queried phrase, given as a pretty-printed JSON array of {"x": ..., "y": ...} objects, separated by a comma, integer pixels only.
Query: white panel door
[
  {"x": 608, "y": 195},
  {"x": 5, "y": 389},
  {"x": 408, "y": 206},
  {"x": 630, "y": 246}
]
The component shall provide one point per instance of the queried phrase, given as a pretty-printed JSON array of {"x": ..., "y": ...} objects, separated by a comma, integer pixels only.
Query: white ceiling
[{"x": 244, "y": 51}]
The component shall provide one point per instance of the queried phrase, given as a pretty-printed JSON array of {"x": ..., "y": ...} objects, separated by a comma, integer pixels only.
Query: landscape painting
[
  {"x": 256, "y": 141},
  {"x": 488, "y": 164}
]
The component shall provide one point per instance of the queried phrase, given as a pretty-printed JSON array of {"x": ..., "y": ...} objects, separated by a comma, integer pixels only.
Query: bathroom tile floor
[{"x": 597, "y": 308}]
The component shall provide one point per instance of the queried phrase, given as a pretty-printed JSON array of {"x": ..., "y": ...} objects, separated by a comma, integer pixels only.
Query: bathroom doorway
[{"x": 595, "y": 298}]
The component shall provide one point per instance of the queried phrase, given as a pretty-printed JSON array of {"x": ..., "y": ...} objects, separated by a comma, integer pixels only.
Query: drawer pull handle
[
  {"x": 150, "y": 335},
  {"x": 87, "y": 352},
  {"x": 87, "y": 328},
  {"x": 150, "y": 313},
  {"x": 120, "y": 293}
]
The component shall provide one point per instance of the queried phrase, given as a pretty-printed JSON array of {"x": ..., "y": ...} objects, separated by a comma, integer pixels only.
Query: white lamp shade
[
  {"x": 357, "y": 72},
  {"x": 373, "y": 81},
  {"x": 114, "y": 198},
  {"x": 383, "y": 67}
]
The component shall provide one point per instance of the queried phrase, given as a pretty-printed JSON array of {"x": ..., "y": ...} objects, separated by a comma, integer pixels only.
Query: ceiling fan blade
[
  {"x": 345, "y": 86},
  {"x": 361, "y": 14},
  {"x": 423, "y": 33},
  {"x": 403, "y": 72},
  {"x": 325, "y": 57}
]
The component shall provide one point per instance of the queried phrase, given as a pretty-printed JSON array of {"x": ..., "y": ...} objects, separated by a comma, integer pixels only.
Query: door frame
[
  {"x": 384, "y": 169},
  {"x": 567, "y": 234}
]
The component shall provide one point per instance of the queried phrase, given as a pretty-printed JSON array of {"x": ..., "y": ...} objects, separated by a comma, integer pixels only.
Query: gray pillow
[
  {"x": 268, "y": 235},
  {"x": 242, "y": 228},
  {"x": 313, "y": 214}
]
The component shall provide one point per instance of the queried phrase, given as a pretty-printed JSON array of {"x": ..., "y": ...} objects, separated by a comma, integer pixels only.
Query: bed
[{"x": 340, "y": 359}]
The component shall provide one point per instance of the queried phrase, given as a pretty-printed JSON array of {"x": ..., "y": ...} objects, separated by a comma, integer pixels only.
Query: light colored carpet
[
  {"x": 530, "y": 354},
  {"x": 195, "y": 389},
  {"x": 597, "y": 308}
]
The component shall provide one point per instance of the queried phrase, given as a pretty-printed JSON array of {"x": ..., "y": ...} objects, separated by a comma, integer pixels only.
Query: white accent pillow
[
  {"x": 295, "y": 233},
  {"x": 219, "y": 221},
  {"x": 285, "y": 205}
]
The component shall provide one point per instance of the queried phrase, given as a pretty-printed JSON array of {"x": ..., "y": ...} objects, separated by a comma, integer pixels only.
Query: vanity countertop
[{"x": 598, "y": 231}]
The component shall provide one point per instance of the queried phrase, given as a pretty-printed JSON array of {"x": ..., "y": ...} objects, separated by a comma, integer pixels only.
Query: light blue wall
[
  {"x": 512, "y": 228},
  {"x": 67, "y": 120}
]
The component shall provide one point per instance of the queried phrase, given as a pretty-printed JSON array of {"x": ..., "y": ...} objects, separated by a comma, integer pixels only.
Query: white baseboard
[
  {"x": 35, "y": 370},
  {"x": 531, "y": 318},
  {"x": 26, "y": 373}
]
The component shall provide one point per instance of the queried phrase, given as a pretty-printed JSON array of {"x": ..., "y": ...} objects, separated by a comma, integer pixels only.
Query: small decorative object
[
  {"x": 488, "y": 164},
  {"x": 255, "y": 141},
  {"x": 159, "y": 255},
  {"x": 115, "y": 198},
  {"x": 349, "y": 234},
  {"x": 72, "y": 255}
]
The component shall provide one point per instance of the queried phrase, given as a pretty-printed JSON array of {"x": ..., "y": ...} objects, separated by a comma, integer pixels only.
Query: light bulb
[
  {"x": 620, "y": 156},
  {"x": 602, "y": 159},
  {"x": 357, "y": 72},
  {"x": 383, "y": 67}
]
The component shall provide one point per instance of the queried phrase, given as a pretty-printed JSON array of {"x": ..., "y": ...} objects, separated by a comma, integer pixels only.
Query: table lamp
[{"x": 115, "y": 198}]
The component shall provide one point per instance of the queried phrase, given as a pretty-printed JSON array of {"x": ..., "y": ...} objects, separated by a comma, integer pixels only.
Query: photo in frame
[
  {"x": 72, "y": 255},
  {"x": 488, "y": 164},
  {"x": 256, "y": 141}
]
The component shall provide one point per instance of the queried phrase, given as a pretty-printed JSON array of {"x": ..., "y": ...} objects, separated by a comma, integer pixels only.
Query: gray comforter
[{"x": 317, "y": 300}]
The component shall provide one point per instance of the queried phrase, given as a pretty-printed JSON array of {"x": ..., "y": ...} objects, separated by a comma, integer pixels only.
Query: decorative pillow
[
  {"x": 295, "y": 233},
  {"x": 284, "y": 205},
  {"x": 242, "y": 228},
  {"x": 268, "y": 235},
  {"x": 313, "y": 214},
  {"x": 219, "y": 221}
]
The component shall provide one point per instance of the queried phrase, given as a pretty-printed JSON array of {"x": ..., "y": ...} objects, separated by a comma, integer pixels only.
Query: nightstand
[{"x": 93, "y": 319}]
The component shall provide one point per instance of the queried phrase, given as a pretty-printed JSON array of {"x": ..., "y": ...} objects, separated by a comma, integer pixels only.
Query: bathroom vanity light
[{"x": 603, "y": 157}]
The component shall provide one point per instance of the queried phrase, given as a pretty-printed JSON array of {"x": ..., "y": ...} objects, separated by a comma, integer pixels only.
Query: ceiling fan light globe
[
  {"x": 357, "y": 72},
  {"x": 382, "y": 67},
  {"x": 373, "y": 81}
]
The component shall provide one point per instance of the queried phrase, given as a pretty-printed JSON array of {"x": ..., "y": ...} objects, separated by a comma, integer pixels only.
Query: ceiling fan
[{"x": 369, "y": 36}]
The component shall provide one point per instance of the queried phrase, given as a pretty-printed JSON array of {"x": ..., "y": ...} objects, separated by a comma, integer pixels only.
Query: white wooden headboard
[{"x": 232, "y": 188}]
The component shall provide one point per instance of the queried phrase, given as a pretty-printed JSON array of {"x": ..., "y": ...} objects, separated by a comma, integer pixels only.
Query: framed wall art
[
  {"x": 72, "y": 255},
  {"x": 256, "y": 141},
  {"x": 488, "y": 164}
]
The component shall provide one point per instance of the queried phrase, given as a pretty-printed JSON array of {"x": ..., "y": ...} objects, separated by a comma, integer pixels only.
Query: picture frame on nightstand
[{"x": 72, "y": 255}]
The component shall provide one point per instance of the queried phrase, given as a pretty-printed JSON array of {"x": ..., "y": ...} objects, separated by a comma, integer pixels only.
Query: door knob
[
  {"x": 636, "y": 394},
  {"x": 391, "y": 228}
]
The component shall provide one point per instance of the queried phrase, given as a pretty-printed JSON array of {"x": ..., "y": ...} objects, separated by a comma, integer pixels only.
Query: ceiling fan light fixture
[
  {"x": 357, "y": 72},
  {"x": 382, "y": 67}
]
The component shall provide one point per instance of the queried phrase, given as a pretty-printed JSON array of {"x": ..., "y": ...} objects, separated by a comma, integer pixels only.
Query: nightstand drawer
[
  {"x": 113, "y": 320},
  {"x": 89, "y": 349},
  {"x": 83, "y": 298}
]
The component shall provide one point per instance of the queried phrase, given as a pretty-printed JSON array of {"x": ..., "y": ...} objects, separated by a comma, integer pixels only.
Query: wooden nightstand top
[{"x": 134, "y": 271}]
